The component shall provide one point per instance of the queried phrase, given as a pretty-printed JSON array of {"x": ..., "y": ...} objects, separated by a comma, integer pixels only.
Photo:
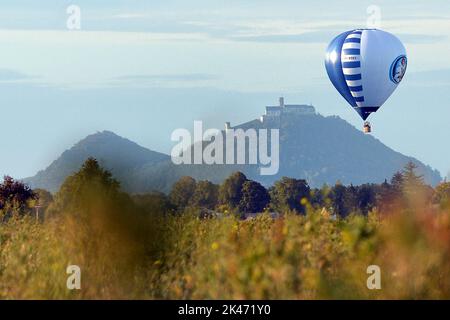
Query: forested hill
[
  {"x": 119, "y": 155},
  {"x": 329, "y": 149},
  {"x": 316, "y": 148}
]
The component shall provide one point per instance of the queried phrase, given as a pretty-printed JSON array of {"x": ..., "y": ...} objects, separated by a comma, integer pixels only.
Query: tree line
[
  {"x": 93, "y": 187},
  {"x": 242, "y": 195}
]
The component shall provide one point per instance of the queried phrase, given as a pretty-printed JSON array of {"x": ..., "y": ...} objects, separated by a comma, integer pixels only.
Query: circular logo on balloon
[{"x": 398, "y": 69}]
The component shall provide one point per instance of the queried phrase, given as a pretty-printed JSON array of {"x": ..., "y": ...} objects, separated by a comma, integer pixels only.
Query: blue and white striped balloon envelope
[{"x": 366, "y": 66}]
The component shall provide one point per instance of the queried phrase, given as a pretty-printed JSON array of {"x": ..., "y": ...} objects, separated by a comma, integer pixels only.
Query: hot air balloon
[{"x": 366, "y": 66}]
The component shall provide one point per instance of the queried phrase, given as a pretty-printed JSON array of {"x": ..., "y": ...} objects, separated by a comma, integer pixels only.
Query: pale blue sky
[{"x": 145, "y": 68}]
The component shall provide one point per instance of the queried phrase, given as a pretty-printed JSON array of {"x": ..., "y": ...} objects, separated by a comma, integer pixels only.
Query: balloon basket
[{"x": 367, "y": 127}]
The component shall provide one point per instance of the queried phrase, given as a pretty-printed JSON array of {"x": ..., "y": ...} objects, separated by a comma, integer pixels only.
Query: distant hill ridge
[
  {"x": 319, "y": 149},
  {"x": 119, "y": 155}
]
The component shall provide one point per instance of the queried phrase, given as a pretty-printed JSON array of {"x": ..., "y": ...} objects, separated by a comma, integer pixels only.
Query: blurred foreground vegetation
[{"x": 204, "y": 242}]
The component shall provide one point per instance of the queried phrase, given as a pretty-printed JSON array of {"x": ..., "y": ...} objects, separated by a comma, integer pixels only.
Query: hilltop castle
[{"x": 274, "y": 114}]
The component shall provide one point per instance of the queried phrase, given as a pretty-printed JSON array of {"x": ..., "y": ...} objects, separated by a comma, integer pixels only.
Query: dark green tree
[
  {"x": 414, "y": 188},
  {"x": 397, "y": 183},
  {"x": 320, "y": 198},
  {"x": 410, "y": 176},
  {"x": 91, "y": 190},
  {"x": 153, "y": 203},
  {"x": 366, "y": 197},
  {"x": 230, "y": 191},
  {"x": 205, "y": 195},
  {"x": 441, "y": 195},
  {"x": 287, "y": 194},
  {"x": 338, "y": 199},
  {"x": 182, "y": 192},
  {"x": 386, "y": 197},
  {"x": 351, "y": 199},
  {"x": 15, "y": 196},
  {"x": 255, "y": 198}
]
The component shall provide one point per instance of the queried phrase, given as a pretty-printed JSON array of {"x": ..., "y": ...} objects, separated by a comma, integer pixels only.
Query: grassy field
[{"x": 184, "y": 257}]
